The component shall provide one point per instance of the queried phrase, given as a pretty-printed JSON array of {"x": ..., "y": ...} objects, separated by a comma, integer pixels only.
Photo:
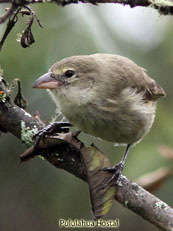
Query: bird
[{"x": 106, "y": 96}]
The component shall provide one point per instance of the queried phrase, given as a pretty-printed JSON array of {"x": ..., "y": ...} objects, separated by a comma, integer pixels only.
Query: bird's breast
[
  {"x": 120, "y": 127},
  {"x": 125, "y": 120}
]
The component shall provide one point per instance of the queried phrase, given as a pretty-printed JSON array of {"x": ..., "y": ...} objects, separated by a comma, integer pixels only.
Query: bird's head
[
  {"x": 72, "y": 77},
  {"x": 76, "y": 71}
]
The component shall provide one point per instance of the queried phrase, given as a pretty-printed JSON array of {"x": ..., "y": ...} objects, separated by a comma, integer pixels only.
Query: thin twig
[
  {"x": 8, "y": 14},
  {"x": 161, "y": 6},
  {"x": 11, "y": 23}
]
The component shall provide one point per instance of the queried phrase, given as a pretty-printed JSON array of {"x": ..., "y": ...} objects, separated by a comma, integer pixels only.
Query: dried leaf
[
  {"x": 27, "y": 38},
  {"x": 19, "y": 99},
  {"x": 94, "y": 161},
  {"x": 44, "y": 147}
]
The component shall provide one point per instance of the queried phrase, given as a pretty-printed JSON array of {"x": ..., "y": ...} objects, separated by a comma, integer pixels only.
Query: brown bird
[{"x": 104, "y": 95}]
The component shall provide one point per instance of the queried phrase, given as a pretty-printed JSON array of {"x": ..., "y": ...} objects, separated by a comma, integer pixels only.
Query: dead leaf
[{"x": 94, "y": 161}]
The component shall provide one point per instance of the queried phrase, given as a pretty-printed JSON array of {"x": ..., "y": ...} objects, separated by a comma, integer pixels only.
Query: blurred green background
[{"x": 34, "y": 195}]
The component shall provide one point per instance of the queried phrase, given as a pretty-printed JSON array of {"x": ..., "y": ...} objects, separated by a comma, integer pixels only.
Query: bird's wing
[{"x": 136, "y": 77}]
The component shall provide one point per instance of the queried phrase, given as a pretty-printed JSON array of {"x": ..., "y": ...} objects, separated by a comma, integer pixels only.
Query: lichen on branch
[{"x": 27, "y": 134}]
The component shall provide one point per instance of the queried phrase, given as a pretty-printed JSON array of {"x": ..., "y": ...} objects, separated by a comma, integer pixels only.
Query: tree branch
[
  {"x": 8, "y": 13},
  {"x": 132, "y": 3},
  {"x": 66, "y": 156},
  {"x": 165, "y": 7},
  {"x": 27, "y": 38}
]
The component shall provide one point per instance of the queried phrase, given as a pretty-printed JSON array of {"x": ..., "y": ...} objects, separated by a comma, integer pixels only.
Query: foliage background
[{"x": 35, "y": 195}]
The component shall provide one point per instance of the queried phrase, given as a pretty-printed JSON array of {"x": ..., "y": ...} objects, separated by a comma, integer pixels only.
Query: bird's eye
[{"x": 69, "y": 73}]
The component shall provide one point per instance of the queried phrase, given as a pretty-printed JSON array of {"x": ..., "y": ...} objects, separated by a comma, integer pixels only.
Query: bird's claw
[
  {"x": 57, "y": 127},
  {"x": 116, "y": 173}
]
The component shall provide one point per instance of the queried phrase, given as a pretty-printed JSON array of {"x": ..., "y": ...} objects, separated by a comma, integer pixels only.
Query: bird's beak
[{"x": 46, "y": 82}]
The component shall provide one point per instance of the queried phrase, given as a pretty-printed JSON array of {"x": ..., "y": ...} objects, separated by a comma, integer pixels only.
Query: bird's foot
[
  {"x": 56, "y": 127},
  {"x": 116, "y": 171}
]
